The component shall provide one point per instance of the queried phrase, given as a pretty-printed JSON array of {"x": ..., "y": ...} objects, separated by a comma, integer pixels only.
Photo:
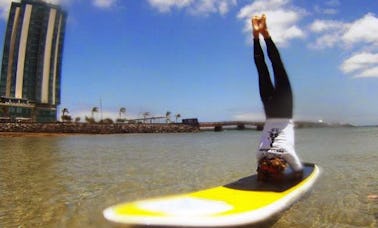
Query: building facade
[{"x": 30, "y": 82}]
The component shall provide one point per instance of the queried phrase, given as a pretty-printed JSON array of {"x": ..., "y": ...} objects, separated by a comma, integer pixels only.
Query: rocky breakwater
[{"x": 86, "y": 128}]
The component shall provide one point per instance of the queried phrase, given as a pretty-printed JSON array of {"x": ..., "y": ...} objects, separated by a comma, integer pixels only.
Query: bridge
[{"x": 239, "y": 125}]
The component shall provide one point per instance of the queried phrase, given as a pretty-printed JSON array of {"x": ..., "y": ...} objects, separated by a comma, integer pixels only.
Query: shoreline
[
  {"x": 61, "y": 129},
  {"x": 69, "y": 128},
  {"x": 33, "y": 134}
]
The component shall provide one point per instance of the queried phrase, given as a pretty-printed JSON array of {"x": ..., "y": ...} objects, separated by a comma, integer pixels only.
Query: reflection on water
[
  {"x": 66, "y": 181},
  {"x": 28, "y": 180}
]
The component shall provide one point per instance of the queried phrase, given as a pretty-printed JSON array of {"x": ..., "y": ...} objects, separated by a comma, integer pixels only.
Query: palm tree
[
  {"x": 94, "y": 109},
  {"x": 64, "y": 116},
  {"x": 64, "y": 111},
  {"x": 178, "y": 115},
  {"x": 168, "y": 117},
  {"x": 89, "y": 120},
  {"x": 122, "y": 111}
]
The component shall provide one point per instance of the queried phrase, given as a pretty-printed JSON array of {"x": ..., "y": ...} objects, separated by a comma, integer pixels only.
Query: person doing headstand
[{"x": 276, "y": 149}]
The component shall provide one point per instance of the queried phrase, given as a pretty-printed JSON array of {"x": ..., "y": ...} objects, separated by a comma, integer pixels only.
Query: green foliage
[
  {"x": 120, "y": 120},
  {"x": 66, "y": 118},
  {"x": 107, "y": 121},
  {"x": 89, "y": 120}
]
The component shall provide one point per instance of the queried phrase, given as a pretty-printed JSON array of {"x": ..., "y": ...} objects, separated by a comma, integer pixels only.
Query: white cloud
[
  {"x": 359, "y": 61},
  {"x": 363, "y": 30},
  {"x": 5, "y": 5},
  {"x": 166, "y": 5},
  {"x": 330, "y": 11},
  {"x": 330, "y": 32},
  {"x": 282, "y": 18},
  {"x": 98, "y": 3},
  {"x": 249, "y": 117},
  {"x": 329, "y": 8},
  {"x": 53, "y": 1},
  {"x": 361, "y": 34},
  {"x": 212, "y": 6},
  {"x": 4, "y": 8},
  {"x": 368, "y": 73},
  {"x": 325, "y": 41},
  {"x": 202, "y": 7},
  {"x": 325, "y": 25},
  {"x": 104, "y": 3},
  {"x": 363, "y": 64}
]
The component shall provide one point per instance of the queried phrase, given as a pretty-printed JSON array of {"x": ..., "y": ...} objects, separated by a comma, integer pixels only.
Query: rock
[{"x": 96, "y": 128}]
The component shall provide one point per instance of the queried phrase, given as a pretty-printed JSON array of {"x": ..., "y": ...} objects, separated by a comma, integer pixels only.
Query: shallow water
[{"x": 66, "y": 181}]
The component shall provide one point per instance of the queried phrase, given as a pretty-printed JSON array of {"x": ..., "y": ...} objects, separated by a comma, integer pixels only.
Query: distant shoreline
[
  {"x": 57, "y": 129},
  {"x": 308, "y": 124},
  {"x": 32, "y": 134},
  {"x": 65, "y": 129}
]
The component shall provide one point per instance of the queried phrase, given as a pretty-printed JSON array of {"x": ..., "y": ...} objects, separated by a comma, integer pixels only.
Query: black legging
[{"x": 277, "y": 98}]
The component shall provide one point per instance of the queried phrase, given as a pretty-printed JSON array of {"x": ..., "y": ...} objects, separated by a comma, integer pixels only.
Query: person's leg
[
  {"x": 265, "y": 82},
  {"x": 283, "y": 93},
  {"x": 281, "y": 102},
  {"x": 280, "y": 76}
]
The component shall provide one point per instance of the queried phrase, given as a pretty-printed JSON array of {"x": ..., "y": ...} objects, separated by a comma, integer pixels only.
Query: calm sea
[{"x": 66, "y": 181}]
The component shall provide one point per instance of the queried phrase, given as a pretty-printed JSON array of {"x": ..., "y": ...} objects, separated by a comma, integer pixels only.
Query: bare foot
[
  {"x": 255, "y": 27},
  {"x": 263, "y": 27}
]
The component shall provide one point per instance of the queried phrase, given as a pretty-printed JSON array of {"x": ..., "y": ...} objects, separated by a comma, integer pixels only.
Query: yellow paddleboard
[{"x": 242, "y": 202}]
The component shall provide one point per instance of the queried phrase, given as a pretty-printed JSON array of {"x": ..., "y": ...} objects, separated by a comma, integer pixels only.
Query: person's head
[{"x": 271, "y": 169}]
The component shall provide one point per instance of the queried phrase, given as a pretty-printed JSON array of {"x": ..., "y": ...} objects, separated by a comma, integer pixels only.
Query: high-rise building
[{"x": 31, "y": 69}]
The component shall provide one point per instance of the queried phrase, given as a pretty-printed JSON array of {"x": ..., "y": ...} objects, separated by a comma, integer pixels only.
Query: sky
[{"x": 194, "y": 58}]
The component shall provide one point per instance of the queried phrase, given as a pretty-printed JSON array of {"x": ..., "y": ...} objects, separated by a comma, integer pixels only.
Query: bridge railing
[{"x": 240, "y": 125}]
